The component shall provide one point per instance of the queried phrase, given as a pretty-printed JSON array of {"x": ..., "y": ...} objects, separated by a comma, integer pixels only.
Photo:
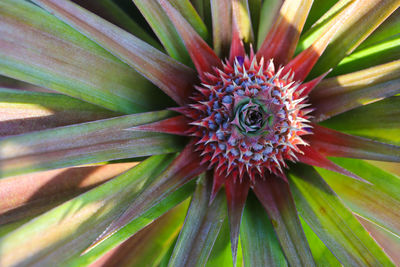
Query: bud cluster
[{"x": 248, "y": 118}]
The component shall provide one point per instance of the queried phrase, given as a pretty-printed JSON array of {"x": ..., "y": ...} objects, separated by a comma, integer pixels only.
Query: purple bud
[{"x": 227, "y": 99}]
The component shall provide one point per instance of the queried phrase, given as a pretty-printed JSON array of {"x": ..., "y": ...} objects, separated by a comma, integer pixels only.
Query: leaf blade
[
  {"x": 281, "y": 41},
  {"x": 174, "y": 78},
  {"x": 259, "y": 242},
  {"x": 336, "y": 95},
  {"x": 23, "y": 111},
  {"x": 59, "y": 58},
  {"x": 201, "y": 227},
  {"x": 371, "y": 13},
  {"x": 361, "y": 197},
  {"x": 377, "y": 121},
  {"x": 274, "y": 194},
  {"x": 335, "y": 225},
  {"x": 29, "y": 195},
  {"x": 84, "y": 143},
  {"x": 74, "y": 224}
]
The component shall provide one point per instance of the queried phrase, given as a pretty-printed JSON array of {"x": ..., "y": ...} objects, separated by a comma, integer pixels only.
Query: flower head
[{"x": 248, "y": 118}]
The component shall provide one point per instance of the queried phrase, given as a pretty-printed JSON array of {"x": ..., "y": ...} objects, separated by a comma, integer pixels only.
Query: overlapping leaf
[
  {"x": 85, "y": 143},
  {"x": 60, "y": 235},
  {"x": 275, "y": 196},
  {"x": 378, "y": 53},
  {"x": 201, "y": 227},
  {"x": 281, "y": 41},
  {"x": 259, "y": 242},
  {"x": 174, "y": 78},
  {"x": 59, "y": 58},
  {"x": 339, "y": 94},
  {"x": 377, "y": 121},
  {"x": 147, "y": 246},
  {"x": 22, "y": 111},
  {"x": 362, "y": 197},
  {"x": 222, "y": 26},
  {"x": 388, "y": 241},
  {"x": 32, "y": 194},
  {"x": 322, "y": 255},
  {"x": 367, "y": 16},
  {"x": 111, "y": 11},
  {"x": 332, "y": 221},
  {"x": 163, "y": 28}
]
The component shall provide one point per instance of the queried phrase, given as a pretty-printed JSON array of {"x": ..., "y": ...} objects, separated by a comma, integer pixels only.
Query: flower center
[
  {"x": 248, "y": 119},
  {"x": 252, "y": 118}
]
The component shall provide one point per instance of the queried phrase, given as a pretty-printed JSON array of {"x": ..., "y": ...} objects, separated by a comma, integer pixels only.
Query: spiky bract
[{"x": 248, "y": 118}]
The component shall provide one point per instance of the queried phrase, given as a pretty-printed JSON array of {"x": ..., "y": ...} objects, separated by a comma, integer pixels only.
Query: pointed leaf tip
[
  {"x": 218, "y": 181},
  {"x": 303, "y": 63},
  {"x": 336, "y": 144},
  {"x": 183, "y": 169},
  {"x": 178, "y": 125},
  {"x": 282, "y": 39},
  {"x": 274, "y": 194},
  {"x": 202, "y": 55},
  {"x": 237, "y": 47},
  {"x": 236, "y": 195},
  {"x": 307, "y": 87},
  {"x": 314, "y": 158},
  {"x": 174, "y": 78}
]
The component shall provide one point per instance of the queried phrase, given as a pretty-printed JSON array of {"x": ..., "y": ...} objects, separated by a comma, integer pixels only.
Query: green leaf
[
  {"x": 9, "y": 227},
  {"x": 202, "y": 225},
  {"x": 268, "y": 13},
  {"x": 63, "y": 233},
  {"x": 387, "y": 29},
  {"x": 241, "y": 14},
  {"x": 255, "y": 13},
  {"x": 29, "y": 195},
  {"x": 57, "y": 57},
  {"x": 168, "y": 254},
  {"x": 378, "y": 53},
  {"x": 203, "y": 8},
  {"x": 147, "y": 247},
  {"x": 274, "y": 194},
  {"x": 174, "y": 78},
  {"x": 368, "y": 15},
  {"x": 163, "y": 28},
  {"x": 187, "y": 10},
  {"x": 110, "y": 11},
  {"x": 378, "y": 201},
  {"x": 24, "y": 111},
  {"x": 378, "y": 121},
  {"x": 322, "y": 255},
  {"x": 183, "y": 169},
  {"x": 334, "y": 224},
  {"x": 318, "y": 9},
  {"x": 321, "y": 24},
  {"x": 259, "y": 242},
  {"x": 85, "y": 143},
  {"x": 339, "y": 94},
  {"x": 281, "y": 40},
  {"x": 150, "y": 244},
  {"x": 221, "y": 253},
  {"x": 10, "y": 83}
]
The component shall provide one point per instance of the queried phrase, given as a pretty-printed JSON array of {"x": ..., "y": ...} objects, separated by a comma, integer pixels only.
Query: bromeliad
[{"x": 251, "y": 119}]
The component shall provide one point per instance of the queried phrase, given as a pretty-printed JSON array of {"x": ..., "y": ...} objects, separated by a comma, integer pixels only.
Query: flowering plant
[{"x": 239, "y": 137}]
